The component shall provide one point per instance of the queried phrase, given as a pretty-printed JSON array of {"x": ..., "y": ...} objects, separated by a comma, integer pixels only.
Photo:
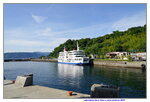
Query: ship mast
[
  {"x": 77, "y": 47},
  {"x": 64, "y": 48}
]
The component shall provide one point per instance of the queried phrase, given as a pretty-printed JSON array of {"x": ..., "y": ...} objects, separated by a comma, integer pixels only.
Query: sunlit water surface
[{"x": 132, "y": 82}]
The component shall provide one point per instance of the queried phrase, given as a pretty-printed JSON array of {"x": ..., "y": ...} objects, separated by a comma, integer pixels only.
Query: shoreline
[
  {"x": 123, "y": 64},
  {"x": 44, "y": 60}
]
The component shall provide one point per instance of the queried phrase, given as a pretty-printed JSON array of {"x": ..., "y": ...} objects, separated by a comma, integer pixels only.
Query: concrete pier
[{"x": 13, "y": 91}]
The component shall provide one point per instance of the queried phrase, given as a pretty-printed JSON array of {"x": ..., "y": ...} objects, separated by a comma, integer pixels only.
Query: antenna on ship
[{"x": 77, "y": 46}]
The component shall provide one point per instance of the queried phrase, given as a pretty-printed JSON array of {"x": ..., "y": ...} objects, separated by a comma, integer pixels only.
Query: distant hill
[
  {"x": 20, "y": 55},
  {"x": 131, "y": 40}
]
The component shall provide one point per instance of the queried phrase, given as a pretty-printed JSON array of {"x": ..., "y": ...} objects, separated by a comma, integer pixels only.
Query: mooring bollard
[
  {"x": 4, "y": 78},
  {"x": 70, "y": 93},
  {"x": 143, "y": 67},
  {"x": 104, "y": 91},
  {"x": 25, "y": 80},
  {"x": 13, "y": 81}
]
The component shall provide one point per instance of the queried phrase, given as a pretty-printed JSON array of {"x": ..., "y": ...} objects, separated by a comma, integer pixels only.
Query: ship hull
[{"x": 73, "y": 63}]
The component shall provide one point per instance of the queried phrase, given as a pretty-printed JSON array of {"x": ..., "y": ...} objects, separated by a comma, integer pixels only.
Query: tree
[
  {"x": 129, "y": 57},
  {"x": 131, "y": 40}
]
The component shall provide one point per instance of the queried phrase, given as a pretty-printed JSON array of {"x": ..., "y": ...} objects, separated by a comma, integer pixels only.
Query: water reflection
[
  {"x": 132, "y": 82},
  {"x": 72, "y": 71}
]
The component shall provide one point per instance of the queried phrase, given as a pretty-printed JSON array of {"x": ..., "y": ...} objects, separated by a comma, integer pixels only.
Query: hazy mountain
[{"x": 20, "y": 55}]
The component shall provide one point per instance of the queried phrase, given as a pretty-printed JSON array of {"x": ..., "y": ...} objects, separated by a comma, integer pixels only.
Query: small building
[
  {"x": 118, "y": 55},
  {"x": 139, "y": 56},
  {"x": 112, "y": 54}
]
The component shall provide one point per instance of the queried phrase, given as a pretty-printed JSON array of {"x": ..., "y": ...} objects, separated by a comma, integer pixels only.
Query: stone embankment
[
  {"x": 44, "y": 60},
  {"x": 134, "y": 64}
]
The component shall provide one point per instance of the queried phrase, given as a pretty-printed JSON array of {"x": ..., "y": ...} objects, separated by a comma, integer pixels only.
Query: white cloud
[
  {"x": 14, "y": 32},
  {"x": 28, "y": 45},
  {"x": 84, "y": 32},
  {"x": 46, "y": 38},
  {"x": 38, "y": 19},
  {"x": 138, "y": 19},
  {"x": 55, "y": 42},
  {"x": 25, "y": 43},
  {"x": 43, "y": 32}
]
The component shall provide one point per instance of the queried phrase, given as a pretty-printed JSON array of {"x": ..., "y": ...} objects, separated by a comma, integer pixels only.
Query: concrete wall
[
  {"x": 135, "y": 64},
  {"x": 23, "y": 81}
]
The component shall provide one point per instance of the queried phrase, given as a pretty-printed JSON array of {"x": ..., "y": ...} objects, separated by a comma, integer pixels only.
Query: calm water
[{"x": 132, "y": 82}]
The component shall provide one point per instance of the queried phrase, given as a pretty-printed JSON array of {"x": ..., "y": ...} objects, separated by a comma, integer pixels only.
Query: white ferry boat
[{"x": 73, "y": 57}]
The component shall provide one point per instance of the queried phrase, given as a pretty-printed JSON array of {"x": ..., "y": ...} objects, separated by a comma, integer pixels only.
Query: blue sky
[{"x": 42, "y": 27}]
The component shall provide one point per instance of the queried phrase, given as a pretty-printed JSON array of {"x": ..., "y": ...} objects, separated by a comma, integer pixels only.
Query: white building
[
  {"x": 139, "y": 56},
  {"x": 118, "y": 55}
]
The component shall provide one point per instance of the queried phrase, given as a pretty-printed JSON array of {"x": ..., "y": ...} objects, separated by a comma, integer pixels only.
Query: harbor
[
  {"x": 119, "y": 64},
  {"x": 74, "y": 78},
  {"x": 75, "y": 51},
  {"x": 23, "y": 87},
  {"x": 78, "y": 57}
]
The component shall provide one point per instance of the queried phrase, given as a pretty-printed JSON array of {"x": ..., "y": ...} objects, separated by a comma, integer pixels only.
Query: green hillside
[{"x": 132, "y": 40}]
